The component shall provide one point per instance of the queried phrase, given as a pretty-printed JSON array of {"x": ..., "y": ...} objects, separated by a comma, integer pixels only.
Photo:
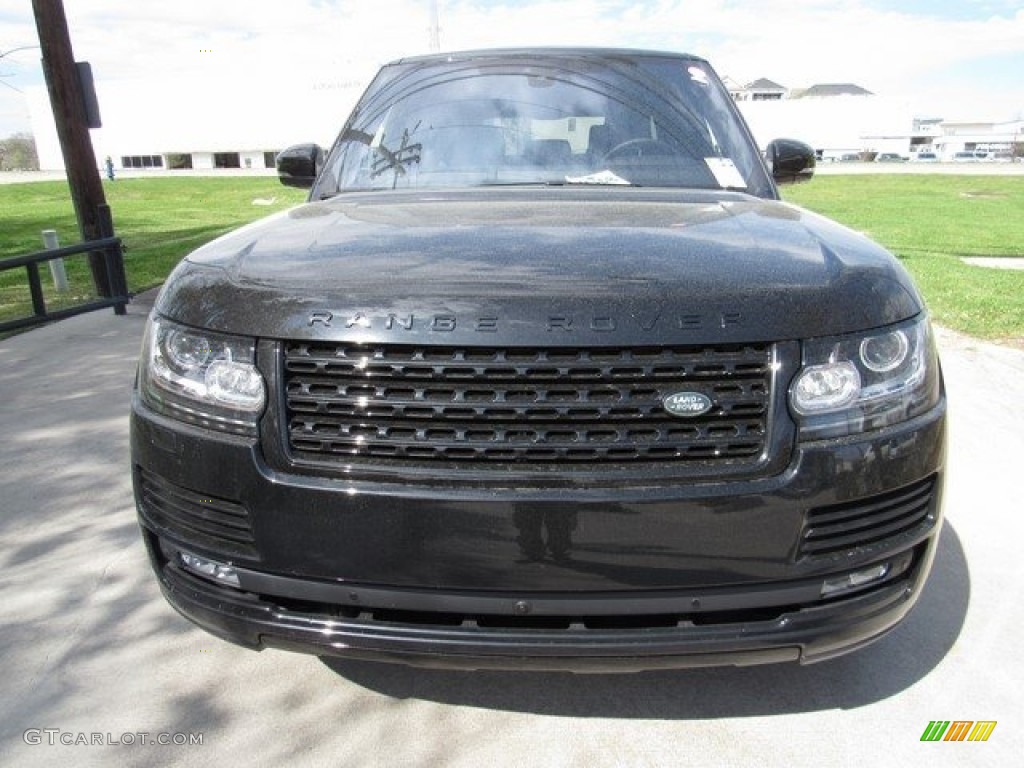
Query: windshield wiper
[
  {"x": 599, "y": 179},
  {"x": 529, "y": 183}
]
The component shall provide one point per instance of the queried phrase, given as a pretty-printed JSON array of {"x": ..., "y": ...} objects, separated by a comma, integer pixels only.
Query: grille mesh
[
  {"x": 867, "y": 521},
  {"x": 523, "y": 406}
]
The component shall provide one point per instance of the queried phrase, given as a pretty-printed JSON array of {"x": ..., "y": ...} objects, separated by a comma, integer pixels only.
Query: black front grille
[
  {"x": 867, "y": 522},
  {"x": 212, "y": 523},
  {"x": 524, "y": 406}
]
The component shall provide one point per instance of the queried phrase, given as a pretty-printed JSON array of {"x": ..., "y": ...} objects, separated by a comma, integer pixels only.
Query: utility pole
[{"x": 69, "y": 113}]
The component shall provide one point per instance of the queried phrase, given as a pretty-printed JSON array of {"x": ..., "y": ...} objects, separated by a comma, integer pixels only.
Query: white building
[
  {"x": 762, "y": 89},
  {"x": 244, "y": 123},
  {"x": 989, "y": 141},
  {"x": 844, "y": 120},
  {"x": 157, "y": 124},
  {"x": 834, "y": 125}
]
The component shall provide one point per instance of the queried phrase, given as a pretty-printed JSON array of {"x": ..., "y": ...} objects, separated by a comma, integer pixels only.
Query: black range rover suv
[{"x": 542, "y": 376}]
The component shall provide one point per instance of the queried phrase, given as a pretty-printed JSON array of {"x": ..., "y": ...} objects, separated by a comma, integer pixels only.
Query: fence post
[
  {"x": 60, "y": 275},
  {"x": 117, "y": 281},
  {"x": 35, "y": 290}
]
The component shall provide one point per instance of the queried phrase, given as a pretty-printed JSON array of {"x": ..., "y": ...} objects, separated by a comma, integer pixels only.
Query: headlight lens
[
  {"x": 884, "y": 353},
  {"x": 857, "y": 383},
  {"x": 200, "y": 377},
  {"x": 826, "y": 387}
]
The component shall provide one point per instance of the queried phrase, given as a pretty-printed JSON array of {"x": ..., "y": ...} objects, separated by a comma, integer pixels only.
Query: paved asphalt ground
[{"x": 88, "y": 647}]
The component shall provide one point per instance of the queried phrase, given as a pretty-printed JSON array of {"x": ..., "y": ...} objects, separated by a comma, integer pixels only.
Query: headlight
[
  {"x": 857, "y": 383},
  {"x": 204, "y": 378}
]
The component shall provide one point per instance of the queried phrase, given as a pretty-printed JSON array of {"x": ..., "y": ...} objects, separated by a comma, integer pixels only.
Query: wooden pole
[{"x": 72, "y": 129}]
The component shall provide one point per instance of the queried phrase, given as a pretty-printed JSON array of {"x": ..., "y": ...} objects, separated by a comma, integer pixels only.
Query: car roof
[{"x": 545, "y": 52}]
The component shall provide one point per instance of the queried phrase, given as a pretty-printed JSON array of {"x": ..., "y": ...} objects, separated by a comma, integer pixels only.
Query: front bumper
[
  {"x": 806, "y": 634},
  {"x": 656, "y": 576}
]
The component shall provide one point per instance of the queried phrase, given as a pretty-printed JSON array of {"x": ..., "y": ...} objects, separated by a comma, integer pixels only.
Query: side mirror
[
  {"x": 790, "y": 161},
  {"x": 299, "y": 166}
]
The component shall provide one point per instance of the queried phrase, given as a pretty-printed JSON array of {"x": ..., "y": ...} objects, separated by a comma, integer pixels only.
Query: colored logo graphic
[{"x": 958, "y": 730}]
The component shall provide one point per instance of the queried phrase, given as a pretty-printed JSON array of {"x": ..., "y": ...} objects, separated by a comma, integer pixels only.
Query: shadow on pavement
[{"x": 877, "y": 672}]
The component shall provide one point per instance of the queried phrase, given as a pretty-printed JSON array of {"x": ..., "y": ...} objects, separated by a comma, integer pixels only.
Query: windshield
[{"x": 588, "y": 120}]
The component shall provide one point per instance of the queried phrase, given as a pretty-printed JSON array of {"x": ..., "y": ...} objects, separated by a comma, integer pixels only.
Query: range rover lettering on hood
[{"x": 446, "y": 323}]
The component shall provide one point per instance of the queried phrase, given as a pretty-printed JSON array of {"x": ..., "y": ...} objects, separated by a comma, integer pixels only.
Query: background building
[
  {"x": 986, "y": 141},
  {"x": 844, "y": 121},
  {"x": 157, "y": 125}
]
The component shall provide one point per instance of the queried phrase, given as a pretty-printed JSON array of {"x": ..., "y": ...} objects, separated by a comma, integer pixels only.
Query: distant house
[
  {"x": 829, "y": 90},
  {"x": 731, "y": 86},
  {"x": 761, "y": 89}
]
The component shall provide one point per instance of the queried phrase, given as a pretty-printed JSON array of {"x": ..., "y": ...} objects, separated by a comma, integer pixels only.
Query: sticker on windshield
[
  {"x": 726, "y": 173},
  {"x": 602, "y": 177},
  {"x": 699, "y": 76}
]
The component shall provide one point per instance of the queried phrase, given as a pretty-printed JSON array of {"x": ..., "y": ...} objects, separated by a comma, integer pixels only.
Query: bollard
[{"x": 60, "y": 277}]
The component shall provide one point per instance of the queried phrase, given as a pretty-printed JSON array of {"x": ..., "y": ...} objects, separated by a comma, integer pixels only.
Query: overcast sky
[{"x": 956, "y": 60}]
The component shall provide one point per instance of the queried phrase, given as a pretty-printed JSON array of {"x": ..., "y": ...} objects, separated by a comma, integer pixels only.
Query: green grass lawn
[
  {"x": 928, "y": 221},
  {"x": 159, "y": 220}
]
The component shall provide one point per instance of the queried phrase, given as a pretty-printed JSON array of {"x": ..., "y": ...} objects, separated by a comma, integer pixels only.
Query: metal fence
[{"x": 108, "y": 247}]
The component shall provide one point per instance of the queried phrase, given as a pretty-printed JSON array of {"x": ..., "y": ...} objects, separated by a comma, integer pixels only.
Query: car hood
[{"x": 556, "y": 265}]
